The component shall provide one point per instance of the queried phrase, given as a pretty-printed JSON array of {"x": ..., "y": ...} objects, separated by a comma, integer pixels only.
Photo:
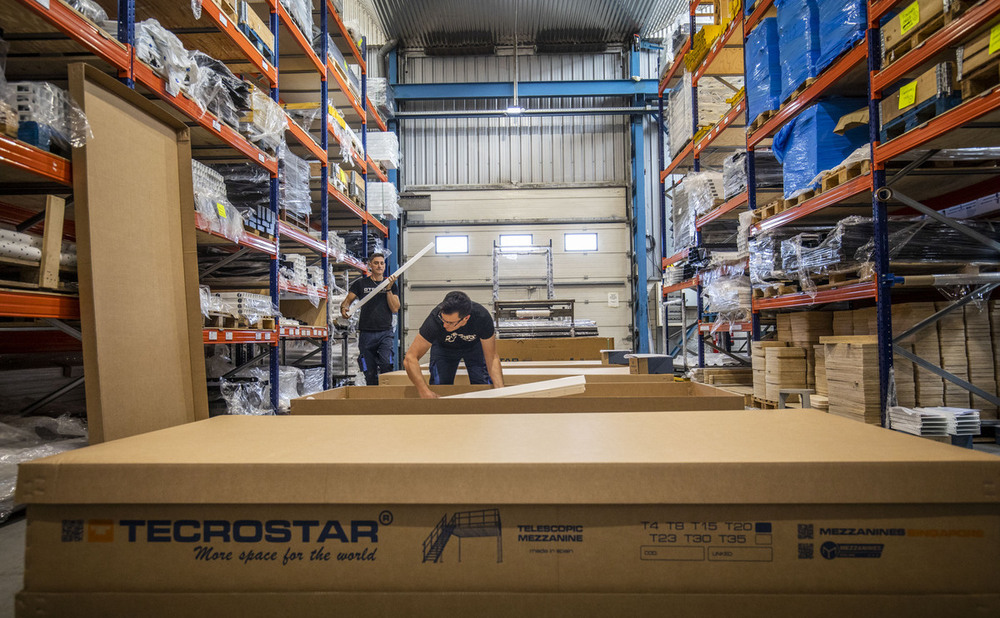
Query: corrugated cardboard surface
[
  {"x": 524, "y": 376},
  {"x": 555, "y": 348},
  {"x": 693, "y": 502},
  {"x": 612, "y": 397},
  {"x": 502, "y": 605},
  {"x": 143, "y": 353}
]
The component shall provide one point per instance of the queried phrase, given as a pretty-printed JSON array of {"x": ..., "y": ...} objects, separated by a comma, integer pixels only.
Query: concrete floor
[{"x": 12, "y": 535}]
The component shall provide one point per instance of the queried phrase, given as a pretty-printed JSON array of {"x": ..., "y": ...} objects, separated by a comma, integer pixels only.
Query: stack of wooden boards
[{"x": 966, "y": 342}]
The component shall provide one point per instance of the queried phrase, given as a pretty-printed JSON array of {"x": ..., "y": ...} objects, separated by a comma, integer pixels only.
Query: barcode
[
  {"x": 72, "y": 530},
  {"x": 805, "y": 531},
  {"x": 805, "y": 551}
]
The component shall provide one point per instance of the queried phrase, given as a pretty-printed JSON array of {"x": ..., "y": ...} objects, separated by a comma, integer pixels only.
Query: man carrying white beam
[
  {"x": 456, "y": 330},
  {"x": 375, "y": 334}
]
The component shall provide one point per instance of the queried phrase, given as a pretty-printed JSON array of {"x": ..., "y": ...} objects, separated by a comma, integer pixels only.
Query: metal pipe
[
  {"x": 942, "y": 280},
  {"x": 499, "y": 113},
  {"x": 972, "y": 388},
  {"x": 886, "y": 194},
  {"x": 53, "y": 395},
  {"x": 66, "y": 328},
  {"x": 982, "y": 292}
]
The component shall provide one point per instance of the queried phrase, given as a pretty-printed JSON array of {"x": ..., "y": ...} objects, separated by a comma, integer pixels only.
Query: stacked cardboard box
[
  {"x": 785, "y": 368},
  {"x": 758, "y": 360},
  {"x": 819, "y": 371},
  {"x": 843, "y": 324},
  {"x": 979, "y": 352},
  {"x": 807, "y": 328},
  {"x": 951, "y": 334},
  {"x": 851, "y": 373},
  {"x": 928, "y": 387},
  {"x": 783, "y": 323}
]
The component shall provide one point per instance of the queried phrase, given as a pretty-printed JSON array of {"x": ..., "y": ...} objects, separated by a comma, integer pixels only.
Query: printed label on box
[
  {"x": 908, "y": 95},
  {"x": 909, "y": 18},
  {"x": 221, "y": 210},
  {"x": 994, "y": 40}
]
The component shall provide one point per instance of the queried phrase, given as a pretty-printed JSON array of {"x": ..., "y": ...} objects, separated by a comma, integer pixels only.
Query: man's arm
[
  {"x": 351, "y": 296},
  {"x": 493, "y": 361},
  {"x": 411, "y": 362},
  {"x": 391, "y": 297}
]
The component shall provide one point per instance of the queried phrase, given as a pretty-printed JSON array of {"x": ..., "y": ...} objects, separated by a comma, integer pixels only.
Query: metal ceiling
[{"x": 478, "y": 26}]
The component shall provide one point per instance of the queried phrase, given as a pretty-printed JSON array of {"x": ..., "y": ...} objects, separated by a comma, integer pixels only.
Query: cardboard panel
[
  {"x": 524, "y": 376},
  {"x": 546, "y": 349},
  {"x": 143, "y": 355}
]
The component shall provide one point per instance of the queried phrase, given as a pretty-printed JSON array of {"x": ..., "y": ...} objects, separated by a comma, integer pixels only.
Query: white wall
[{"x": 546, "y": 214}]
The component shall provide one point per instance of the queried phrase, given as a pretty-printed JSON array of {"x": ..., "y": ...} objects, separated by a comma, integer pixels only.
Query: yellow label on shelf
[
  {"x": 908, "y": 95},
  {"x": 909, "y": 18},
  {"x": 994, "y": 39},
  {"x": 343, "y": 176},
  {"x": 221, "y": 209}
]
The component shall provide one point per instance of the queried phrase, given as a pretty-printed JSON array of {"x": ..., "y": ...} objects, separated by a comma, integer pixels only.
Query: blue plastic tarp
[
  {"x": 798, "y": 40},
  {"x": 763, "y": 68},
  {"x": 807, "y": 145},
  {"x": 842, "y": 24}
]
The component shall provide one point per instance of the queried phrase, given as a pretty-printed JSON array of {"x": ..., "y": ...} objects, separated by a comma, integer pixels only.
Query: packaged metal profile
[
  {"x": 248, "y": 305},
  {"x": 47, "y": 116},
  {"x": 301, "y": 14},
  {"x": 293, "y": 183},
  {"x": 166, "y": 55},
  {"x": 221, "y": 92},
  {"x": 89, "y": 9},
  {"x": 767, "y": 172},
  {"x": 380, "y": 94},
  {"x": 726, "y": 292},
  {"x": 704, "y": 191},
  {"x": 382, "y": 199},
  {"x": 383, "y": 147},
  {"x": 211, "y": 203},
  {"x": 246, "y": 396},
  {"x": 265, "y": 124},
  {"x": 683, "y": 217}
]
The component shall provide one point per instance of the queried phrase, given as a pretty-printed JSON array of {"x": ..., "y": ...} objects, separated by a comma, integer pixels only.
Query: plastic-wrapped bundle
[
  {"x": 765, "y": 253},
  {"x": 47, "y": 116},
  {"x": 250, "y": 397},
  {"x": 248, "y": 305},
  {"x": 265, "y": 124},
  {"x": 726, "y": 291},
  {"x": 842, "y": 23},
  {"x": 28, "y": 247},
  {"x": 301, "y": 13},
  {"x": 680, "y": 123},
  {"x": 223, "y": 94},
  {"x": 210, "y": 202},
  {"x": 353, "y": 241},
  {"x": 213, "y": 303},
  {"x": 682, "y": 217},
  {"x": 89, "y": 9},
  {"x": 166, "y": 55},
  {"x": 381, "y": 96},
  {"x": 383, "y": 146},
  {"x": 767, "y": 172},
  {"x": 763, "y": 68},
  {"x": 292, "y": 267},
  {"x": 704, "y": 189},
  {"x": 798, "y": 41},
  {"x": 807, "y": 145},
  {"x": 338, "y": 248},
  {"x": 293, "y": 183},
  {"x": 382, "y": 199}
]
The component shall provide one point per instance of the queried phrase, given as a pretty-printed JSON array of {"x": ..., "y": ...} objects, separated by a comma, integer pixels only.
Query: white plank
[{"x": 559, "y": 387}]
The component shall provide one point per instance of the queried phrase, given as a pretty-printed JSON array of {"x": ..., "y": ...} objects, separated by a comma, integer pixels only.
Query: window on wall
[
  {"x": 515, "y": 240},
  {"x": 451, "y": 244},
  {"x": 581, "y": 242}
]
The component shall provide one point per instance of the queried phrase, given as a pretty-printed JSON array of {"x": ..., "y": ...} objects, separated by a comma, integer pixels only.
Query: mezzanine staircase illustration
[{"x": 482, "y": 523}]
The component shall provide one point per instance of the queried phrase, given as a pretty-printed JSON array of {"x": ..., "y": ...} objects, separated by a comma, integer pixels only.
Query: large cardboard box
[
  {"x": 556, "y": 348},
  {"x": 598, "y": 397},
  {"x": 499, "y": 604},
  {"x": 526, "y": 376},
  {"x": 707, "y": 502}
]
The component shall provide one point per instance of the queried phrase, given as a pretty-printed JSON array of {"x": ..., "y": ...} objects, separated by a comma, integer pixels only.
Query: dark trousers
[
  {"x": 444, "y": 364},
  {"x": 376, "y": 354}
]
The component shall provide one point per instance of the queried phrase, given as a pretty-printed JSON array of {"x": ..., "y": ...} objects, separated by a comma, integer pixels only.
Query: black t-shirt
[
  {"x": 479, "y": 326},
  {"x": 375, "y": 315}
]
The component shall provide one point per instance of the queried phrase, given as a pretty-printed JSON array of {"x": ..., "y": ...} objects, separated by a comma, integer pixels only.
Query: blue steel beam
[
  {"x": 395, "y": 242},
  {"x": 505, "y": 90},
  {"x": 641, "y": 293}
]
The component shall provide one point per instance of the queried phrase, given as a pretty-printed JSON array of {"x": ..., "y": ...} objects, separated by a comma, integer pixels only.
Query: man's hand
[
  {"x": 343, "y": 312},
  {"x": 392, "y": 280},
  {"x": 429, "y": 394}
]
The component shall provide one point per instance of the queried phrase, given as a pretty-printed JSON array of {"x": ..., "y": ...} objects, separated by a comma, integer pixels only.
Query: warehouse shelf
[
  {"x": 953, "y": 129},
  {"x": 731, "y": 125},
  {"x": 677, "y": 257},
  {"x": 248, "y": 240},
  {"x": 732, "y": 327},
  {"x": 758, "y": 14},
  {"x": 356, "y": 160},
  {"x": 853, "y": 61},
  {"x": 671, "y": 76},
  {"x": 304, "y": 138},
  {"x": 717, "y": 48},
  {"x": 683, "y": 160},
  {"x": 301, "y": 41},
  {"x": 377, "y": 116},
  {"x": 683, "y": 285},
  {"x": 357, "y": 210},
  {"x": 227, "y": 42},
  {"x": 144, "y": 75},
  {"x": 78, "y": 28},
  {"x": 237, "y": 335},
  {"x": 344, "y": 98},
  {"x": 374, "y": 168},
  {"x": 301, "y": 237},
  {"x": 344, "y": 42},
  {"x": 878, "y": 8},
  {"x": 968, "y": 23},
  {"x": 30, "y": 304},
  {"x": 853, "y": 291},
  {"x": 36, "y": 161},
  {"x": 722, "y": 211},
  {"x": 353, "y": 262},
  {"x": 301, "y": 290},
  {"x": 850, "y": 189},
  {"x": 303, "y": 332},
  {"x": 15, "y": 216}
]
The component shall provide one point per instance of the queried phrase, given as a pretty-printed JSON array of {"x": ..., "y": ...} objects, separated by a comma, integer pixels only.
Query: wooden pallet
[
  {"x": 224, "y": 320},
  {"x": 764, "y": 404},
  {"x": 798, "y": 199},
  {"x": 983, "y": 80},
  {"x": 918, "y": 115},
  {"x": 922, "y": 32},
  {"x": 259, "y": 234},
  {"x": 760, "y": 120},
  {"x": 798, "y": 91},
  {"x": 299, "y": 221},
  {"x": 841, "y": 175},
  {"x": 775, "y": 290}
]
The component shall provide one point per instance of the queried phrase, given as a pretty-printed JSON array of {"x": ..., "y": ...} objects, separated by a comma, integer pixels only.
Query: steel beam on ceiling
[{"x": 505, "y": 90}]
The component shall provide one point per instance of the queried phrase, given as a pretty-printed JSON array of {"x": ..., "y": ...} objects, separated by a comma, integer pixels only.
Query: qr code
[
  {"x": 72, "y": 530},
  {"x": 805, "y": 531},
  {"x": 805, "y": 551}
]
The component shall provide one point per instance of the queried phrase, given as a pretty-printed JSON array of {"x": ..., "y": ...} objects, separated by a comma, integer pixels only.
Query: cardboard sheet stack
[
  {"x": 758, "y": 357},
  {"x": 935, "y": 421},
  {"x": 819, "y": 371},
  {"x": 928, "y": 388},
  {"x": 979, "y": 351},
  {"x": 951, "y": 333},
  {"x": 851, "y": 363},
  {"x": 785, "y": 368}
]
